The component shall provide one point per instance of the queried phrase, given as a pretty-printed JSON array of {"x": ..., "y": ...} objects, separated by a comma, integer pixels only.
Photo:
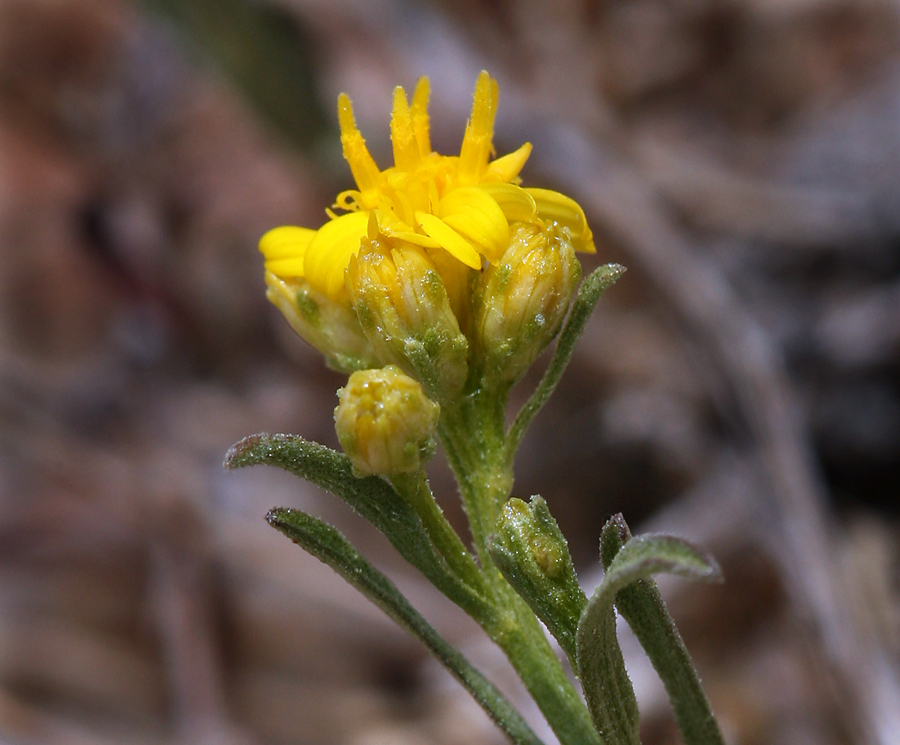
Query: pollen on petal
[
  {"x": 362, "y": 165},
  {"x": 419, "y": 115},
  {"x": 330, "y": 250},
  {"x": 406, "y": 149},
  {"x": 449, "y": 239},
  {"x": 475, "y": 215},
  {"x": 555, "y": 207}
]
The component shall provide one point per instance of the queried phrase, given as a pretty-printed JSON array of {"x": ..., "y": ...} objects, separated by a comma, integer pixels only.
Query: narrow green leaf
[
  {"x": 601, "y": 668},
  {"x": 330, "y": 547},
  {"x": 373, "y": 498},
  {"x": 645, "y": 555},
  {"x": 588, "y": 295},
  {"x": 643, "y": 608},
  {"x": 531, "y": 552},
  {"x": 607, "y": 689}
]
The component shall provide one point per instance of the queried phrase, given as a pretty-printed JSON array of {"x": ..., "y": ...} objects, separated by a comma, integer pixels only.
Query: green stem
[
  {"x": 472, "y": 435},
  {"x": 520, "y": 636},
  {"x": 415, "y": 489},
  {"x": 473, "y": 439}
]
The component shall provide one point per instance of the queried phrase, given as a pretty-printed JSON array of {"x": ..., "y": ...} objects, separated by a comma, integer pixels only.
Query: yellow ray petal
[
  {"x": 508, "y": 167},
  {"x": 284, "y": 250},
  {"x": 406, "y": 149},
  {"x": 417, "y": 239},
  {"x": 330, "y": 250},
  {"x": 475, "y": 215},
  {"x": 478, "y": 139},
  {"x": 419, "y": 114},
  {"x": 285, "y": 268},
  {"x": 449, "y": 239},
  {"x": 456, "y": 277},
  {"x": 362, "y": 165},
  {"x": 555, "y": 207},
  {"x": 285, "y": 242},
  {"x": 372, "y": 228},
  {"x": 516, "y": 203}
]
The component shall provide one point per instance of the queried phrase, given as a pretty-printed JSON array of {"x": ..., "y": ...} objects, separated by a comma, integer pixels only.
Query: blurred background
[{"x": 740, "y": 386}]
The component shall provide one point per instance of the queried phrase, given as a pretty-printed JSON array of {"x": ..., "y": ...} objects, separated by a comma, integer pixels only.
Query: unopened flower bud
[
  {"x": 385, "y": 422},
  {"x": 403, "y": 309},
  {"x": 530, "y": 550},
  {"x": 328, "y": 326},
  {"x": 524, "y": 298}
]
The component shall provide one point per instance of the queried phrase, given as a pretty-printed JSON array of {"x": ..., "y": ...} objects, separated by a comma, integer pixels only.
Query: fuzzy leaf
[
  {"x": 588, "y": 295},
  {"x": 606, "y": 686},
  {"x": 372, "y": 497},
  {"x": 330, "y": 547},
  {"x": 641, "y": 605}
]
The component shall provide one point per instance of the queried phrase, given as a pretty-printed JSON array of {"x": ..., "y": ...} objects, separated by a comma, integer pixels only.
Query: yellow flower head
[{"x": 455, "y": 209}]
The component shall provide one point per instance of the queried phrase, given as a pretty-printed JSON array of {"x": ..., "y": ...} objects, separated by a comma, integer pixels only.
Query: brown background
[{"x": 739, "y": 386}]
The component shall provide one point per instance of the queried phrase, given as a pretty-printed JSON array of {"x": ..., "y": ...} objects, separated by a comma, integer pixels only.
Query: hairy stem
[
  {"x": 415, "y": 489},
  {"x": 472, "y": 433}
]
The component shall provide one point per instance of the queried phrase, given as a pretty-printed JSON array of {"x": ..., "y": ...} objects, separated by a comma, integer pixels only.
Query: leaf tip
[
  {"x": 242, "y": 452},
  {"x": 617, "y": 521},
  {"x": 713, "y": 574},
  {"x": 702, "y": 564},
  {"x": 614, "y": 535},
  {"x": 616, "y": 270},
  {"x": 605, "y": 276},
  {"x": 275, "y": 516}
]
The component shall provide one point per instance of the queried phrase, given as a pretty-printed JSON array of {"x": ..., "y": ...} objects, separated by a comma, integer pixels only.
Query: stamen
[
  {"x": 477, "y": 142},
  {"x": 347, "y": 200},
  {"x": 419, "y": 114},
  {"x": 362, "y": 165},
  {"x": 406, "y": 149}
]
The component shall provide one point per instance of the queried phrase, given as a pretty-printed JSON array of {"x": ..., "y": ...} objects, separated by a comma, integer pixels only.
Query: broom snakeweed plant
[{"x": 435, "y": 284}]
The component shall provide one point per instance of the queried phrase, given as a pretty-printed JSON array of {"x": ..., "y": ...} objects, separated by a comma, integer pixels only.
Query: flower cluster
[{"x": 444, "y": 266}]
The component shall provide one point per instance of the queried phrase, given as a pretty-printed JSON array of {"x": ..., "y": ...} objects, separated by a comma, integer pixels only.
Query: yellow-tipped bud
[
  {"x": 404, "y": 310},
  {"x": 385, "y": 422},
  {"x": 523, "y": 299},
  {"x": 328, "y": 326}
]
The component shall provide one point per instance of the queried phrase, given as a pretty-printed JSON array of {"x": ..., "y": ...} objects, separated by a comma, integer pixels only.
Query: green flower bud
[
  {"x": 403, "y": 309},
  {"x": 328, "y": 326},
  {"x": 385, "y": 422},
  {"x": 530, "y": 550},
  {"x": 523, "y": 299}
]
